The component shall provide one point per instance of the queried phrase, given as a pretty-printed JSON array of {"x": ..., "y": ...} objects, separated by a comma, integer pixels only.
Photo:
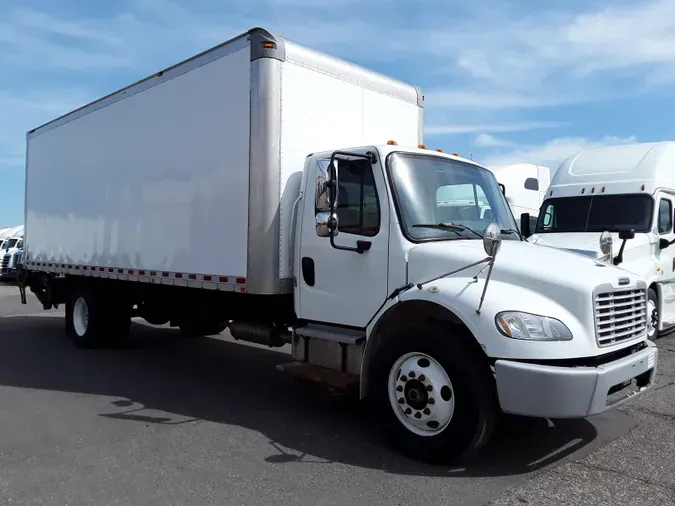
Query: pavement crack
[
  {"x": 646, "y": 481},
  {"x": 657, "y": 414}
]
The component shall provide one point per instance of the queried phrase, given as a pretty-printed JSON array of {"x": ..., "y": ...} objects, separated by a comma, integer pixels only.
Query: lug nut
[
  {"x": 401, "y": 400},
  {"x": 418, "y": 415},
  {"x": 429, "y": 388},
  {"x": 408, "y": 411},
  {"x": 411, "y": 374},
  {"x": 427, "y": 411},
  {"x": 422, "y": 377},
  {"x": 399, "y": 388},
  {"x": 432, "y": 401}
]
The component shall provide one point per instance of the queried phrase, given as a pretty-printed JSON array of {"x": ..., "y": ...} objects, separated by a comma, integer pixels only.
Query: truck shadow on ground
[{"x": 224, "y": 382}]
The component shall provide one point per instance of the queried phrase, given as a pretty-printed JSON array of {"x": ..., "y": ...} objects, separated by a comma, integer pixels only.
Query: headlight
[{"x": 531, "y": 327}]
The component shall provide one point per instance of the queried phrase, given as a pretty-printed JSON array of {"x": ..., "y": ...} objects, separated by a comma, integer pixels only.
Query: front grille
[
  {"x": 620, "y": 315},
  {"x": 5, "y": 261}
]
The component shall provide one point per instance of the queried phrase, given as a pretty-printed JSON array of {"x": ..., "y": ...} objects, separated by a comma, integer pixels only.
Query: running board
[
  {"x": 329, "y": 333},
  {"x": 335, "y": 379}
]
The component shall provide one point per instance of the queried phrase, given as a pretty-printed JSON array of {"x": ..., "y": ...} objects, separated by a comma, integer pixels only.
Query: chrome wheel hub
[{"x": 421, "y": 394}]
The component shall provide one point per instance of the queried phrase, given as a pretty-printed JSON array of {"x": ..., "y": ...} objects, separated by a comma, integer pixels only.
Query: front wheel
[{"x": 434, "y": 394}]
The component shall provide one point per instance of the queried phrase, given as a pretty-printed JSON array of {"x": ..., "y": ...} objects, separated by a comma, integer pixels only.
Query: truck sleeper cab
[
  {"x": 323, "y": 237},
  {"x": 627, "y": 192}
]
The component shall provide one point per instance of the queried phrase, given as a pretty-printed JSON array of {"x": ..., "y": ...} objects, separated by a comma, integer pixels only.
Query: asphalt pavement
[{"x": 168, "y": 420}]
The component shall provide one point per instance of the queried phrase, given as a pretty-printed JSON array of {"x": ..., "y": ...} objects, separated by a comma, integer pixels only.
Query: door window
[
  {"x": 358, "y": 208},
  {"x": 665, "y": 216}
]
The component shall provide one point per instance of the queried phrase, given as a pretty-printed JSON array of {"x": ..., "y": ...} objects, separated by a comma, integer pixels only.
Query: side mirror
[
  {"x": 624, "y": 235},
  {"x": 503, "y": 188},
  {"x": 324, "y": 222},
  {"x": 664, "y": 243},
  {"x": 606, "y": 243},
  {"x": 326, "y": 200},
  {"x": 492, "y": 240},
  {"x": 525, "y": 229},
  {"x": 332, "y": 184}
]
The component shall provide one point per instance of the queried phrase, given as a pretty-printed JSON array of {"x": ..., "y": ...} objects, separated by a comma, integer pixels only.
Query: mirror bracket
[{"x": 624, "y": 235}]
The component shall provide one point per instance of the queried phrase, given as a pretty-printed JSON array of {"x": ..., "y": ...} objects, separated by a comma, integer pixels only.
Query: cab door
[
  {"x": 336, "y": 283},
  {"x": 665, "y": 259}
]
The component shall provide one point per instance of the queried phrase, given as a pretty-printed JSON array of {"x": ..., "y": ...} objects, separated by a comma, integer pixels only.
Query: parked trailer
[{"x": 259, "y": 186}]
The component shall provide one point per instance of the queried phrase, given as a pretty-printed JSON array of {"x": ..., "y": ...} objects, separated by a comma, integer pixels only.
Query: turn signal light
[{"x": 392, "y": 143}]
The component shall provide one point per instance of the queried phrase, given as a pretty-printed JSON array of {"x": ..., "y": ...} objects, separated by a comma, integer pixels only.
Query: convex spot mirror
[
  {"x": 606, "y": 243},
  {"x": 492, "y": 239}
]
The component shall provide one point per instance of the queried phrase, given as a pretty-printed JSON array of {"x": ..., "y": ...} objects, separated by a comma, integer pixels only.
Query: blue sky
[{"x": 506, "y": 82}]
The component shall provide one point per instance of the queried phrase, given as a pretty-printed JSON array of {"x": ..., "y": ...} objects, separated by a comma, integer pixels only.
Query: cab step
[
  {"x": 329, "y": 333},
  {"x": 337, "y": 380}
]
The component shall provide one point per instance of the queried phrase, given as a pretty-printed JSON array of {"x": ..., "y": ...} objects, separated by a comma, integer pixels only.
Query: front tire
[
  {"x": 652, "y": 314},
  {"x": 434, "y": 394}
]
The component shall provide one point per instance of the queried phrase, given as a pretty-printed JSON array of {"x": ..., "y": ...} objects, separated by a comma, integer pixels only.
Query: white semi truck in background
[
  {"x": 284, "y": 194},
  {"x": 11, "y": 249},
  {"x": 617, "y": 204}
]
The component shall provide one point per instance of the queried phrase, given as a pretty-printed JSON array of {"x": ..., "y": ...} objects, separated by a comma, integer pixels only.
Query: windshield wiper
[
  {"x": 510, "y": 231},
  {"x": 448, "y": 226}
]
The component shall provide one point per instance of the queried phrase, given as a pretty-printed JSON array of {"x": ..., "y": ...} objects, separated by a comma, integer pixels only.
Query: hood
[
  {"x": 546, "y": 270},
  {"x": 587, "y": 243}
]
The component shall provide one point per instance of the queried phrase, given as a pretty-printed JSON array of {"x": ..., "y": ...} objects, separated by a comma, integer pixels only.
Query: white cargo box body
[{"x": 186, "y": 177}]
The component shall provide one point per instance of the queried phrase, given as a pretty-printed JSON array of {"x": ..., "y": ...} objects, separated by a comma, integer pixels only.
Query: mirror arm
[
  {"x": 361, "y": 246},
  {"x": 619, "y": 257}
]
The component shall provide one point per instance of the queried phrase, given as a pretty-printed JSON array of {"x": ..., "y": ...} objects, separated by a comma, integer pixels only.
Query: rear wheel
[
  {"x": 434, "y": 394},
  {"x": 93, "y": 322}
]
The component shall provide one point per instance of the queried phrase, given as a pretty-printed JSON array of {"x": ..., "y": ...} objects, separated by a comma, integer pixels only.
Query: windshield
[
  {"x": 10, "y": 243},
  {"x": 595, "y": 213},
  {"x": 431, "y": 190}
]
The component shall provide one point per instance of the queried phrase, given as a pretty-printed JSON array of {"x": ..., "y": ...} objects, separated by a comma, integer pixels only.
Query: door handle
[{"x": 362, "y": 246}]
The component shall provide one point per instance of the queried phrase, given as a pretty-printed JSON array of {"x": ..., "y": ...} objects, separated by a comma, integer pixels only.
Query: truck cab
[
  {"x": 11, "y": 247},
  {"x": 393, "y": 285},
  {"x": 628, "y": 193}
]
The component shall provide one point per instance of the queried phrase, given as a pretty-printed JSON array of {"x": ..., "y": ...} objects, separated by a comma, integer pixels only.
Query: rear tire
[
  {"x": 94, "y": 322},
  {"x": 434, "y": 394}
]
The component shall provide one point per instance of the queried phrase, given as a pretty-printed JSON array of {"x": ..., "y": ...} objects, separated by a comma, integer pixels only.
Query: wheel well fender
[{"x": 413, "y": 311}]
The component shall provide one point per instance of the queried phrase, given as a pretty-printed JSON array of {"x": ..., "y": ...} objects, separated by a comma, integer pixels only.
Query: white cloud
[
  {"x": 551, "y": 153},
  {"x": 452, "y": 128},
  {"x": 493, "y": 61},
  {"x": 489, "y": 141}
]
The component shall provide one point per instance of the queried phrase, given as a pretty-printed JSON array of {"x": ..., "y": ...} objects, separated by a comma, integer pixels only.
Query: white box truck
[
  {"x": 616, "y": 204},
  {"x": 260, "y": 187},
  {"x": 524, "y": 185}
]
